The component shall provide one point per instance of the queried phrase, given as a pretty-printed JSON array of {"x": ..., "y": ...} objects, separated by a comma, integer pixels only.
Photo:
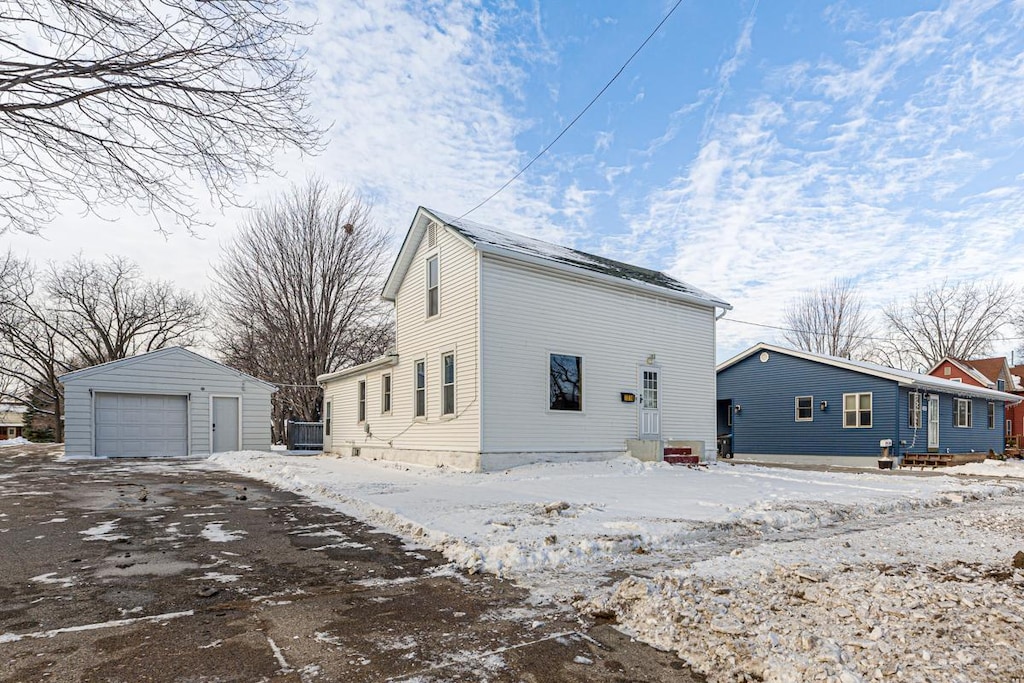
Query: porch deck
[{"x": 935, "y": 460}]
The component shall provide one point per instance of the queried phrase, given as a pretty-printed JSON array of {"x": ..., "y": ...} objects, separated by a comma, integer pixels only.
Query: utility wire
[
  {"x": 578, "y": 116},
  {"x": 826, "y": 334}
]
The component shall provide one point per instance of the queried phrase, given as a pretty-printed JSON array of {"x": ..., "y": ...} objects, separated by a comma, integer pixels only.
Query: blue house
[{"x": 786, "y": 406}]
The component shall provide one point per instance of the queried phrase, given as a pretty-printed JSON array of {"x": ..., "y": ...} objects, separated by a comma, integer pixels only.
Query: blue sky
[{"x": 752, "y": 149}]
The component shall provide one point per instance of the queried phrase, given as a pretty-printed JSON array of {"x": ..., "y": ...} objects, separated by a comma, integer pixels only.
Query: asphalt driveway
[{"x": 163, "y": 571}]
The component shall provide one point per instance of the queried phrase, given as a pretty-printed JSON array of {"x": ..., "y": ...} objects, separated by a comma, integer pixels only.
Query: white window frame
[
  {"x": 582, "y": 364},
  {"x": 386, "y": 397},
  {"x": 327, "y": 418},
  {"x": 958, "y": 419},
  {"x": 810, "y": 409},
  {"x": 1009, "y": 428},
  {"x": 436, "y": 289},
  {"x": 914, "y": 409},
  {"x": 418, "y": 390},
  {"x": 991, "y": 414},
  {"x": 448, "y": 387},
  {"x": 857, "y": 411},
  {"x": 361, "y": 401}
]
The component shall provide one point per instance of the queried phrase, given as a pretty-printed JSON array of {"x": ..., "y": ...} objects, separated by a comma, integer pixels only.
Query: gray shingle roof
[{"x": 483, "y": 236}]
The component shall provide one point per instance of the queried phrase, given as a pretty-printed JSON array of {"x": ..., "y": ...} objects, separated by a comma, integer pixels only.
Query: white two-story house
[{"x": 511, "y": 350}]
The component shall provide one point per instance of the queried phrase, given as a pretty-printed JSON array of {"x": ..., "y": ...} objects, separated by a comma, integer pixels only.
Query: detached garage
[{"x": 170, "y": 402}]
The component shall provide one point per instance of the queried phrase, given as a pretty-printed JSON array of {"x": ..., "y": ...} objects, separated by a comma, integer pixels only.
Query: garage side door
[{"x": 141, "y": 424}]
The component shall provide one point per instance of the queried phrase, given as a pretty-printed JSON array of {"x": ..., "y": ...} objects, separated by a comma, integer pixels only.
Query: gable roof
[
  {"x": 902, "y": 377},
  {"x": 530, "y": 250},
  {"x": 160, "y": 353}
]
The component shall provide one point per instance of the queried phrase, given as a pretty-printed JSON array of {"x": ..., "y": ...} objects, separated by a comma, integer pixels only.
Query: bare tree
[
  {"x": 82, "y": 314},
  {"x": 298, "y": 294},
  {"x": 958, "y": 319},
  {"x": 129, "y": 101},
  {"x": 829, "y": 320}
]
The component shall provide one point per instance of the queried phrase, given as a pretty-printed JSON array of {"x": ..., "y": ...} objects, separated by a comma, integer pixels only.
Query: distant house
[
  {"x": 994, "y": 373},
  {"x": 787, "y": 406},
  {"x": 12, "y": 420},
  {"x": 512, "y": 350},
  {"x": 170, "y": 402}
]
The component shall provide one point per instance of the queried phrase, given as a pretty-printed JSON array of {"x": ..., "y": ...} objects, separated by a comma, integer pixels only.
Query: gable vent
[{"x": 432, "y": 234}]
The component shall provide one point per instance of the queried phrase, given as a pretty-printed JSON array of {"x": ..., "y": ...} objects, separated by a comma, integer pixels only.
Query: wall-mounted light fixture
[
  {"x": 737, "y": 408},
  {"x": 651, "y": 358},
  {"x": 823, "y": 405}
]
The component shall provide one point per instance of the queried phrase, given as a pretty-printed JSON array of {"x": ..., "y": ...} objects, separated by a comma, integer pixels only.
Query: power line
[
  {"x": 579, "y": 115},
  {"x": 825, "y": 334}
]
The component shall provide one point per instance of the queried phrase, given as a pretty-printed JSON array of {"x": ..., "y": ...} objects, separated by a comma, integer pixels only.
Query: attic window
[
  {"x": 432, "y": 234},
  {"x": 433, "y": 287}
]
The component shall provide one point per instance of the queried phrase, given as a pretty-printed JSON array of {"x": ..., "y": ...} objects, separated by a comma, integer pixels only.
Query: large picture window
[
  {"x": 433, "y": 287},
  {"x": 804, "y": 408},
  {"x": 448, "y": 384},
  {"x": 857, "y": 410},
  {"x": 566, "y": 382},
  {"x": 914, "y": 402},
  {"x": 420, "y": 387},
  {"x": 962, "y": 412}
]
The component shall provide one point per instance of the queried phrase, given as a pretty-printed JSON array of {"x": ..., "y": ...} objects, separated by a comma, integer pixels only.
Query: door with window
[
  {"x": 933, "y": 422},
  {"x": 650, "y": 403}
]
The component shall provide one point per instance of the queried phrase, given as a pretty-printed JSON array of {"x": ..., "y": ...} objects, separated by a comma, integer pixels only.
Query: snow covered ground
[{"x": 745, "y": 571}]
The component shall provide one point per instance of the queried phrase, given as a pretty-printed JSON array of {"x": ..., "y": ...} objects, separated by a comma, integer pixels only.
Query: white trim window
[
  {"x": 448, "y": 383},
  {"x": 385, "y": 394},
  {"x": 963, "y": 408},
  {"x": 991, "y": 415},
  {"x": 1009, "y": 428},
  {"x": 804, "y": 408},
  {"x": 914, "y": 405},
  {"x": 433, "y": 286},
  {"x": 327, "y": 418},
  {"x": 420, "y": 388},
  {"x": 361, "y": 401},
  {"x": 566, "y": 382},
  {"x": 857, "y": 411}
]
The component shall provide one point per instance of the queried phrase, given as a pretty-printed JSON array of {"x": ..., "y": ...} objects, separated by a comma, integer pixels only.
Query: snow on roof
[
  {"x": 904, "y": 377},
  {"x": 487, "y": 238}
]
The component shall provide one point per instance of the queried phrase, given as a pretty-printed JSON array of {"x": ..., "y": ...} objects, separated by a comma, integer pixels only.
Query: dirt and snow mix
[{"x": 748, "y": 573}]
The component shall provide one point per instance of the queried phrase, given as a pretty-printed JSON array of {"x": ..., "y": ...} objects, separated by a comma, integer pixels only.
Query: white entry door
[
  {"x": 933, "y": 422},
  {"x": 650, "y": 403},
  {"x": 224, "y": 424}
]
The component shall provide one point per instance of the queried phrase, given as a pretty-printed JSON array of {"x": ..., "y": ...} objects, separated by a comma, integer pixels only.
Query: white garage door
[{"x": 141, "y": 424}]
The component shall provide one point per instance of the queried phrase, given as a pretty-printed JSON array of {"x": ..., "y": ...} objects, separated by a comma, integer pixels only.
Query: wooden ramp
[{"x": 935, "y": 460}]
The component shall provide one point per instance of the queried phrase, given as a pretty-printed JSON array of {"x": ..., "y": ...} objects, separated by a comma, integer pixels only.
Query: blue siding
[{"x": 766, "y": 423}]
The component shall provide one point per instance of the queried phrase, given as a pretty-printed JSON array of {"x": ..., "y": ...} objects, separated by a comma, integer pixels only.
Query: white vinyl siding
[
  {"x": 857, "y": 411},
  {"x": 419, "y": 337},
  {"x": 804, "y": 408},
  {"x": 528, "y": 313},
  {"x": 169, "y": 372}
]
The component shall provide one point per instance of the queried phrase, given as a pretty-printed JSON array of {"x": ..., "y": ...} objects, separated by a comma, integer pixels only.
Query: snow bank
[
  {"x": 16, "y": 441},
  {"x": 750, "y": 571}
]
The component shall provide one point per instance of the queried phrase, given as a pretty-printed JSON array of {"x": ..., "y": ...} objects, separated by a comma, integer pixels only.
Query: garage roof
[{"x": 152, "y": 355}]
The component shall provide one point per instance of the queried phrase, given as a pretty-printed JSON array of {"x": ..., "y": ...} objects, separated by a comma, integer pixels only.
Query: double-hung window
[
  {"x": 433, "y": 287},
  {"x": 914, "y": 403},
  {"x": 362, "y": 401},
  {"x": 327, "y": 418},
  {"x": 566, "y": 382},
  {"x": 804, "y": 408},
  {"x": 857, "y": 410},
  {"x": 385, "y": 394},
  {"x": 420, "y": 388},
  {"x": 962, "y": 412},
  {"x": 448, "y": 384},
  {"x": 991, "y": 415}
]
